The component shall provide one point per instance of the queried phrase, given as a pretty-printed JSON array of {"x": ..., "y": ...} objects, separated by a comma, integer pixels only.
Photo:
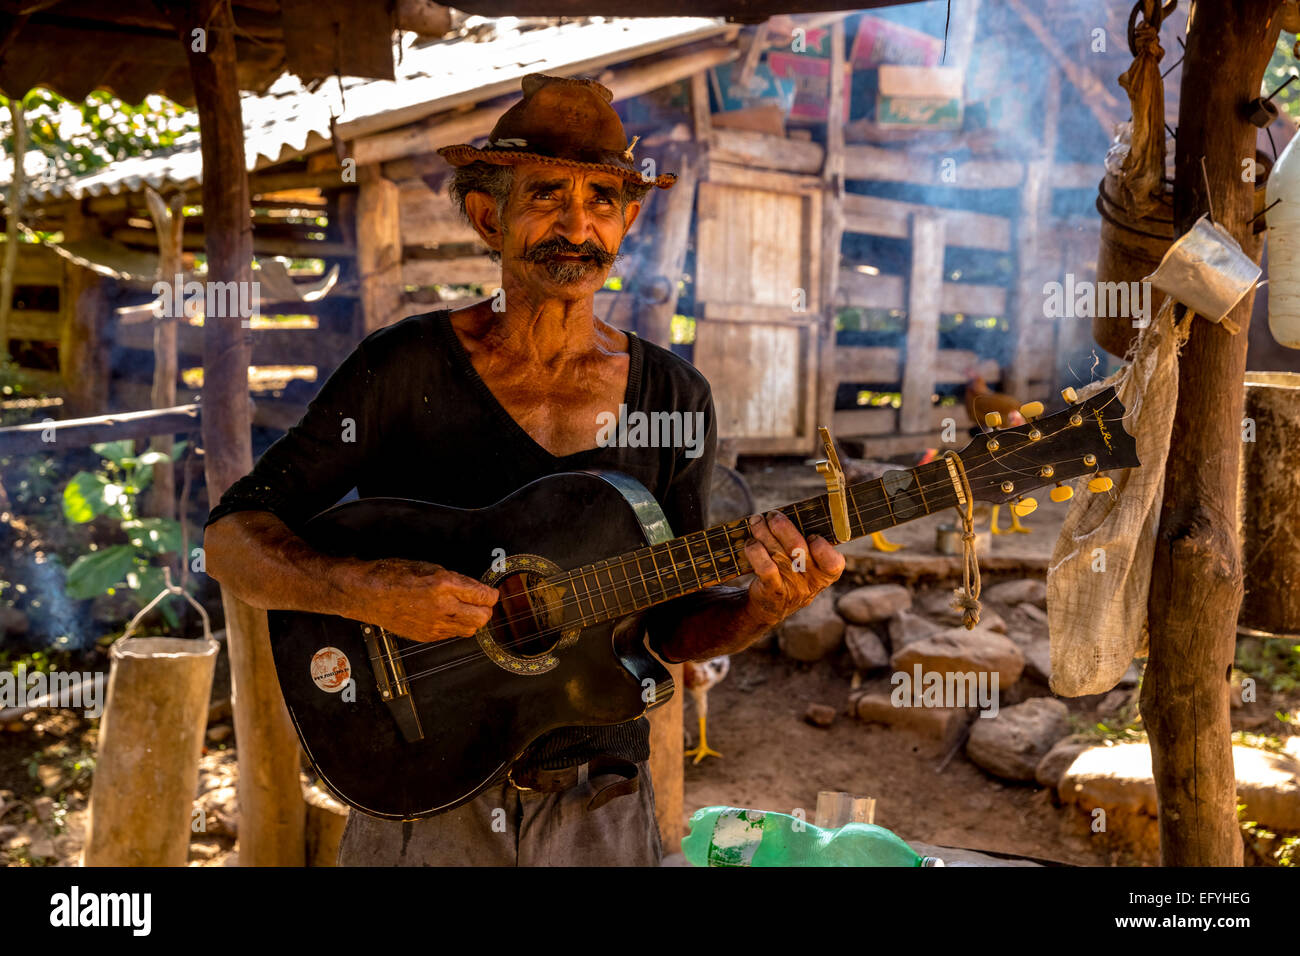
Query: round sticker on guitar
[{"x": 330, "y": 669}]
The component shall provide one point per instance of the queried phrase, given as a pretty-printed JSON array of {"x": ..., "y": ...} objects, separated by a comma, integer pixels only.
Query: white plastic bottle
[{"x": 1284, "y": 246}]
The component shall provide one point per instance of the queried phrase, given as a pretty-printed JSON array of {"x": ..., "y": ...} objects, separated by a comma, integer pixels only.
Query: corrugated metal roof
[{"x": 290, "y": 119}]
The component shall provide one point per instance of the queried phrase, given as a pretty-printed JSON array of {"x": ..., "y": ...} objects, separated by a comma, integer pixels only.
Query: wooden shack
[{"x": 345, "y": 175}]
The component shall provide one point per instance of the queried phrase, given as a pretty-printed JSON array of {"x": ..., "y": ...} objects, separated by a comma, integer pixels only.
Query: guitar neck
[{"x": 615, "y": 587}]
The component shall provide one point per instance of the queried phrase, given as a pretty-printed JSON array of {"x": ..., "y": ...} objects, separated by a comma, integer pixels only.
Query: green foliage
[
  {"x": 1267, "y": 845},
  {"x": 1280, "y": 67},
  {"x": 111, "y": 492},
  {"x": 1274, "y": 663},
  {"x": 79, "y": 138}
]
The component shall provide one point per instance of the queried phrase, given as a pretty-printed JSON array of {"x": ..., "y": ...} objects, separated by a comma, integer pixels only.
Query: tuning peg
[
  {"x": 1031, "y": 410},
  {"x": 993, "y": 420},
  {"x": 1062, "y": 493},
  {"x": 1023, "y": 507},
  {"x": 1070, "y": 395},
  {"x": 1098, "y": 485}
]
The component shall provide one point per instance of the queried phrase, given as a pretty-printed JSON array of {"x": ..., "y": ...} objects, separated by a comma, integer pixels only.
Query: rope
[{"x": 967, "y": 599}]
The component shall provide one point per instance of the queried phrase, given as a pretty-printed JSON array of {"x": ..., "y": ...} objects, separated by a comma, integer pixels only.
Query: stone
[
  {"x": 42, "y": 846},
  {"x": 1269, "y": 785},
  {"x": 906, "y": 627},
  {"x": 1056, "y": 761},
  {"x": 204, "y": 851},
  {"x": 219, "y": 711},
  {"x": 1131, "y": 676},
  {"x": 990, "y": 620},
  {"x": 1113, "y": 703},
  {"x": 812, "y": 632},
  {"x": 820, "y": 715},
  {"x": 1038, "y": 660},
  {"x": 43, "y": 807},
  {"x": 865, "y": 647},
  {"x": 940, "y": 724},
  {"x": 874, "y": 602},
  {"x": 1034, "y": 613},
  {"x": 937, "y": 605},
  {"x": 1024, "y": 591},
  {"x": 220, "y": 732},
  {"x": 960, "y": 650},
  {"x": 7, "y": 833},
  {"x": 1012, "y": 744}
]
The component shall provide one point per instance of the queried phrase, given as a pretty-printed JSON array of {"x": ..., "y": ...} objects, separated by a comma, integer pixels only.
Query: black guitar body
[{"x": 465, "y": 717}]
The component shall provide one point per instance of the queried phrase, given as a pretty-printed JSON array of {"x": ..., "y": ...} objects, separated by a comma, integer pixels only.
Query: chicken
[
  {"x": 980, "y": 401},
  {"x": 700, "y": 677}
]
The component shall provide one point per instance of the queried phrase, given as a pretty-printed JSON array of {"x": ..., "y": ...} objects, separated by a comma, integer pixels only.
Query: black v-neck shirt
[{"x": 407, "y": 416}]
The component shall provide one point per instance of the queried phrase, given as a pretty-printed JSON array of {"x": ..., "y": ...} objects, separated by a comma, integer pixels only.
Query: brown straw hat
[{"x": 561, "y": 121}]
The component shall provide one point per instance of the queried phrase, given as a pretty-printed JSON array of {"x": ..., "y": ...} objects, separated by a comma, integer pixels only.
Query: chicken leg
[{"x": 701, "y": 698}]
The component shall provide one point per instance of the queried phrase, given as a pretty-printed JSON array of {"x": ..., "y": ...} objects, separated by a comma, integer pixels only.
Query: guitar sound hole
[{"x": 527, "y": 616}]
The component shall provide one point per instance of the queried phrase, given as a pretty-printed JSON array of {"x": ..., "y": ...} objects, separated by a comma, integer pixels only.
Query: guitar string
[
  {"x": 873, "y": 511},
  {"x": 478, "y": 652}
]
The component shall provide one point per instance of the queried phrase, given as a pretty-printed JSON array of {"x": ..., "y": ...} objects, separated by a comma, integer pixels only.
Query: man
[{"x": 464, "y": 407}]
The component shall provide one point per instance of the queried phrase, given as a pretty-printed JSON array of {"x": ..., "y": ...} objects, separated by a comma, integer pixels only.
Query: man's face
[{"x": 562, "y": 228}]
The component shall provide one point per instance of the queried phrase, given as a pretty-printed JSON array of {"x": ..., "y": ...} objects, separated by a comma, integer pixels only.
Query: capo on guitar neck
[{"x": 835, "y": 485}]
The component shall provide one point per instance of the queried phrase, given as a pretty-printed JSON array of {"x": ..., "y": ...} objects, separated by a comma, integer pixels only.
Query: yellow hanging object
[
  {"x": 1031, "y": 410},
  {"x": 1024, "y": 507},
  {"x": 1062, "y": 493},
  {"x": 1098, "y": 485}
]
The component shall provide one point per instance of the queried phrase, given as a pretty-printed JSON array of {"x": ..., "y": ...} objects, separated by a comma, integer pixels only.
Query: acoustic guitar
[{"x": 401, "y": 729}]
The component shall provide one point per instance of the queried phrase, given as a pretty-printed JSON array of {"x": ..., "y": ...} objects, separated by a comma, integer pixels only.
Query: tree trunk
[
  {"x": 1196, "y": 584},
  {"x": 272, "y": 812},
  {"x": 147, "y": 769},
  {"x": 17, "y": 111},
  {"x": 169, "y": 223}
]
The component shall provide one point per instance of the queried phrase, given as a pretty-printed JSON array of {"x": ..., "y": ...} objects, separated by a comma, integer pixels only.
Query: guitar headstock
[{"x": 1085, "y": 438}]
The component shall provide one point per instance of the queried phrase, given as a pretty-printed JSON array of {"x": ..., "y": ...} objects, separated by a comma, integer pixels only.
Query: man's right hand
[{"x": 420, "y": 601}]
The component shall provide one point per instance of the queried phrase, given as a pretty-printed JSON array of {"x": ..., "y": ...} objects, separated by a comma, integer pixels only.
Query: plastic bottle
[
  {"x": 1283, "y": 188},
  {"x": 731, "y": 836}
]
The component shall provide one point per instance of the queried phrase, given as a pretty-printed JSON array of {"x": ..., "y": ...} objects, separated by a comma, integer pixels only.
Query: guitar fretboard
[{"x": 618, "y": 586}]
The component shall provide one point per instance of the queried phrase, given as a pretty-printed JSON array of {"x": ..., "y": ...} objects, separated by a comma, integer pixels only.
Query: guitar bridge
[{"x": 390, "y": 679}]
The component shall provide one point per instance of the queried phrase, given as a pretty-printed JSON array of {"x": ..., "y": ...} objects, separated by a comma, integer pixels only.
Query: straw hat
[{"x": 561, "y": 121}]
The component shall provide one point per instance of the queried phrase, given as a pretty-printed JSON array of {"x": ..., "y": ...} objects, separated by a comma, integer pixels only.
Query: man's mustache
[{"x": 549, "y": 249}]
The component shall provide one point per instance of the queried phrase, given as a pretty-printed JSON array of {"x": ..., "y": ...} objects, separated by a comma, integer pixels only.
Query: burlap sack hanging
[{"x": 1100, "y": 570}]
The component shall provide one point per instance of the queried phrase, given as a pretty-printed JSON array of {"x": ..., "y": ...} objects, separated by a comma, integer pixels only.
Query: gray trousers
[{"x": 505, "y": 826}]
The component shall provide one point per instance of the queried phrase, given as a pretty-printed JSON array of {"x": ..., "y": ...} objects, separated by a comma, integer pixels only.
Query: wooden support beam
[
  {"x": 876, "y": 216},
  {"x": 746, "y": 148},
  {"x": 169, "y": 223},
  {"x": 887, "y": 292},
  {"x": 35, "y": 437},
  {"x": 923, "y": 302},
  {"x": 272, "y": 812},
  {"x": 666, "y": 261},
  {"x": 1033, "y": 330},
  {"x": 832, "y": 237},
  {"x": 379, "y": 248},
  {"x": 1196, "y": 580}
]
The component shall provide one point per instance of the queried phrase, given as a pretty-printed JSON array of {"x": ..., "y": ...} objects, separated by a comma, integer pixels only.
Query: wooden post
[
  {"x": 17, "y": 186},
  {"x": 924, "y": 288},
  {"x": 169, "y": 223},
  {"x": 666, "y": 257},
  {"x": 272, "y": 812},
  {"x": 379, "y": 248},
  {"x": 1196, "y": 581},
  {"x": 667, "y": 769},
  {"x": 832, "y": 230},
  {"x": 142, "y": 800},
  {"x": 1031, "y": 327}
]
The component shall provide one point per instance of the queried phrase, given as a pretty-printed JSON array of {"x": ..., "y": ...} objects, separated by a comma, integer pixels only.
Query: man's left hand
[{"x": 775, "y": 554}]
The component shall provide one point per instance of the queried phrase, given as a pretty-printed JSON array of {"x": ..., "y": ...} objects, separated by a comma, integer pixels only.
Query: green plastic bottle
[{"x": 731, "y": 836}]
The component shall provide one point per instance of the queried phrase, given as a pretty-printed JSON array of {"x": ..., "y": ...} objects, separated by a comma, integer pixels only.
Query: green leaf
[
  {"x": 86, "y": 497},
  {"x": 154, "y": 535},
  {"x": 93, "y": 574},
  {"x": 115, "y": 451},
  {"x": 178, "y": 449},
  {"x": 152, "y": 458}
]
